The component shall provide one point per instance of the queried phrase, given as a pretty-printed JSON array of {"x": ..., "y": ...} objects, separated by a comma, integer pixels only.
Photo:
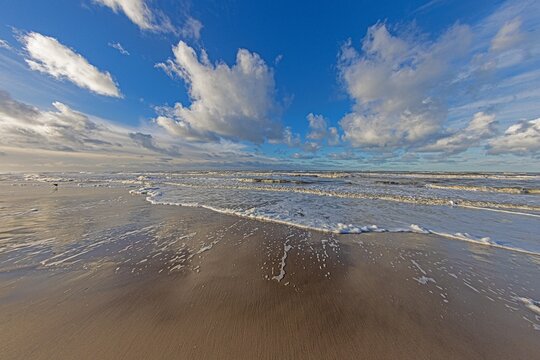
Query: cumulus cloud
[
  {"x": 119, "y": 47},
  {"x": 318, "y": 135},
  {"x": 481, "y": 127},
  {"x": 397, "y": 84},
  {"x": 311, "y": 146},
  {"x": 522, "y": 138},
  {"x": 319, "y": 130},
  {"x": 47, "y": 55},
  {"x": 333, "y": 136},
  {"x": 149, "y": 19},
  {"x": 408, "y": 88},
  {"x": 317, "y": 127},
  {"x": 230, "y": 102},
  {"x": 289, "y": 138}
]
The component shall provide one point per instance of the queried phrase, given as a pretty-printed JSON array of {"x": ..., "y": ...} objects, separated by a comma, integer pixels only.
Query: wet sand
[{"x": 94, "y": 273}]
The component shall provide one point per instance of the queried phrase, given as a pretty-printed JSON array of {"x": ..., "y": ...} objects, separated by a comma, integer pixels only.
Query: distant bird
[{"x": 55, "y": 184}]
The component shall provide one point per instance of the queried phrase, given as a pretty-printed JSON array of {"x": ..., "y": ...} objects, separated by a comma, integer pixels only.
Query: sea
[{"x": 500, "y": 210}]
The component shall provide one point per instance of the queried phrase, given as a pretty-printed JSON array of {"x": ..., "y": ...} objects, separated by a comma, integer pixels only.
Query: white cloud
[
  {"x": 147, "y": 141},
  {"x": 522, "y": 138},
  {"x": 317, "y": 127},
  {"x": 408, "y": 90},
  {"x": 345, "y": 155},
  {"x": 149, "y": 19},
  {"x": 311, "y": 146},
  {"x": 191, "y": 28},
  {"x": 333, "y": 136},
  {"x": 289, "y": 138},
  {"x": 481, "y": 127},
  {"x": 319, "y": 130},
  {"x": 505, "y": 39},
  {"x": 59, "y": 129},
  {"x": 62, "y": 138},
  {"x": 47, "y": 55},
  {"x": 302, "y": 156},
  {"x": 231, "y": 102},
  {"x": 508, "y": 36},
  {"x": 4, "y": 44},
  {"x": 119, "y": 47},
  {"x": 427, "y": 6},
  {"x": 397, "y": 84},
  {"x": 319, "y": 133},
  {"x": 136, "y": 10}
]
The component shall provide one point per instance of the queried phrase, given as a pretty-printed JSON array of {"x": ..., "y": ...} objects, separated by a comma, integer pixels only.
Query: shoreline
[
  {"x": 413, "y": 228},
  {"x": 129, "y": 279}
]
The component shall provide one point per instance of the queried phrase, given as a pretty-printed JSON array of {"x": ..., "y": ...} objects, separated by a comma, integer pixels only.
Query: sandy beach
[
  {"x": 273, "y": 180},
  {"x": 96, "y": 273}
]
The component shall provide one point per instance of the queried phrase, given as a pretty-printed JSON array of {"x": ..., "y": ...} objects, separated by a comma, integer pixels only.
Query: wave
[
  {"x": 262, "y": 174},
  {"x": 506, "y": 190},
  {"x": 394, "y": 182},
  {"x": 348, "y": 174},
  {"x": 387, "y": 197},
  {"x": 153, "y": 193},
  {"x": 271, "y": 181},
  {"x": 449, "y": 175},
  {"x": 47, "y": 179},
  {"x": 366, "y": 174}
]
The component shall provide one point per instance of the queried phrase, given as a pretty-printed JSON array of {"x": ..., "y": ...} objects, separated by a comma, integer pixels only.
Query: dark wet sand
[{"x": 341, "y": 297}]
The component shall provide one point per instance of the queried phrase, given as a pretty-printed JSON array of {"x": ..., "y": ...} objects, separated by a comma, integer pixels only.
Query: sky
[{"x": 121, "y": 85}]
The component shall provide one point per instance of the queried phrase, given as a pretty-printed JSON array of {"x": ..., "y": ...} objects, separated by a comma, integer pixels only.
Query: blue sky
[{"x": 162, "y": 84}]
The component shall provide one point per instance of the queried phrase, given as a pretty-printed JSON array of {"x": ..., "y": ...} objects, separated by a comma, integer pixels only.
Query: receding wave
[{"x": 152, "y": 193}]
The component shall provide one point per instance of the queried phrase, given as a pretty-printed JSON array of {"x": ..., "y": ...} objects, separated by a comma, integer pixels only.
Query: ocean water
[{"x": 491, "y": 209}]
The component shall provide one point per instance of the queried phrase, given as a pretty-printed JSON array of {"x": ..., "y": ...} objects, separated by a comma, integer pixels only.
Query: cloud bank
[{"x": 63, "y": 138}]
